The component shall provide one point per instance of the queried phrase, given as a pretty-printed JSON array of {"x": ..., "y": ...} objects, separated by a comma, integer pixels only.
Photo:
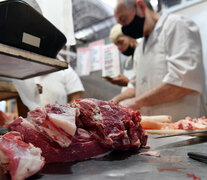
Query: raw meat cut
[
  {"x": 160, "y": 118},
  {"x": 57, "y": 121},
  {"x": 82, "y": 146},
  {"x": 185, "y": 124},
  {"x": 115, "y": 127},
  {"x": 86, "y": 129},
  {"x": 189, "y": 124},
  {"x": 150, "y": 153},
  {"x": 19, "y": 158}
]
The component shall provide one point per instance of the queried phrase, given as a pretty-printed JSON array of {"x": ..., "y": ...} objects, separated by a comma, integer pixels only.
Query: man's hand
[
  {"x": 128, "y": 93},
  {"x": 120, "y": 80},
  {"x": 72, "y": 97},
  {"x": 115, "y": 100},
  {"x": 130, "y": 103}
]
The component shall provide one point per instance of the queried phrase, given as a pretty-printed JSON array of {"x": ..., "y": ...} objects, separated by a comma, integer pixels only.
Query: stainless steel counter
[{"x": 173, "y": 164}]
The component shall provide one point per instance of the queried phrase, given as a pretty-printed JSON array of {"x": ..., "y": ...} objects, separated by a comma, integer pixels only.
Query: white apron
[{"x": 154, "y": 66}]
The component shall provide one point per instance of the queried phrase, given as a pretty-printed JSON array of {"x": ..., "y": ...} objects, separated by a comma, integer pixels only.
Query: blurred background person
[
  {"x": 126, "y": 46},
  {"x": 61, "y": 87}
]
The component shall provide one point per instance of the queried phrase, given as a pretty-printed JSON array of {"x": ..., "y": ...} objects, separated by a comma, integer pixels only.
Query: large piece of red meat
[
  {"x": 83, "y": 146},
  {"x": 101, "y": 127}
]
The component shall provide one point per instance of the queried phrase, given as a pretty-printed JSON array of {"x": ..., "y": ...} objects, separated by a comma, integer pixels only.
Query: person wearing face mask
[
  {"x": 169, "y": 75},
  {"x": 126, "y": 46}
]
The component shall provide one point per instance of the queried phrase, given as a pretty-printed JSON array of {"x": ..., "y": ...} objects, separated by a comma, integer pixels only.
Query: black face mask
[
  {"x": 135, "y": 28},
  {"x": 129, "y": 51}
]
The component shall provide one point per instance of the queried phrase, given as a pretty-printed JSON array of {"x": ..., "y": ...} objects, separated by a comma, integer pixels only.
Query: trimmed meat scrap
[
  {"x": 22, "y": 160},
  {"x": 185, "y": 124}
]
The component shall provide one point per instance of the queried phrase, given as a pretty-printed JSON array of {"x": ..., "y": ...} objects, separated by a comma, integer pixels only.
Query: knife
[
  {"x": 195, "y": 133},
  {"x": 198, "y": 156}
]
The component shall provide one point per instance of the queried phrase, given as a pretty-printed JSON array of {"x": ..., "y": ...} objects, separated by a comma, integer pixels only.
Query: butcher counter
[{"x": 173, "y": 163}]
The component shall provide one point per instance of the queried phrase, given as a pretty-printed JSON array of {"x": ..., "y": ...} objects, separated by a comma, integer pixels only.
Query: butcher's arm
[
  {"x": 120, "y": 80},
  {"x": 128, "y": 93},
  {"x": 163, "y": 93},
  {"x": 72, "y": 97}
]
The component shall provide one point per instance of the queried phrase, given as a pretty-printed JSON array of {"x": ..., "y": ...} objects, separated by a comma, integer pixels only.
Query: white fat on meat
[
  {"x": 107, "y": 107},
  {"x": 150, "y": 153},
  {"x": 59, "y": 138},
  {"x": 97, "y": 117},
  {"x": 30, "y": 163},
  {"x": 27, "y": 123},
  {"x": 64, "y": 121}
]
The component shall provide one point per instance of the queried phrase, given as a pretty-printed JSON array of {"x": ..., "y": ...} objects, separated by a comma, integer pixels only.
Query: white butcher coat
[
  {"x": 128, "y": 70},
  {"x": 56, "y": 86},
  {"x": 172, "y": 54}
]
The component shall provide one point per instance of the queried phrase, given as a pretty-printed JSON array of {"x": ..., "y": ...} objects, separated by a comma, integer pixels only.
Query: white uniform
[
  {"x": 172, "y": 54},
  {"x": 57, "y": 85},
  {"x": 128, "y": 70}
]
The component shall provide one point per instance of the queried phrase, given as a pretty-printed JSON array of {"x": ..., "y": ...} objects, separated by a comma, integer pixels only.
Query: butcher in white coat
[{"x": 169, "y": 71}]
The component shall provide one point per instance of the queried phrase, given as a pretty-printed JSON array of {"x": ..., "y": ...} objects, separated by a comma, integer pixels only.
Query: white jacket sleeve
[
  {"x": 72, "y": 81},
  {"x": 132, "y": 80},
  {"x": 184, "y": 55}
]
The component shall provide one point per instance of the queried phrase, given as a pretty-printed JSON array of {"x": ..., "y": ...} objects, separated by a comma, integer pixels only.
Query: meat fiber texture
[
  {"x": 114, "y": 127},
  {"x": 42, "y": 132},
  {"x": 22, "y": 160}
]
